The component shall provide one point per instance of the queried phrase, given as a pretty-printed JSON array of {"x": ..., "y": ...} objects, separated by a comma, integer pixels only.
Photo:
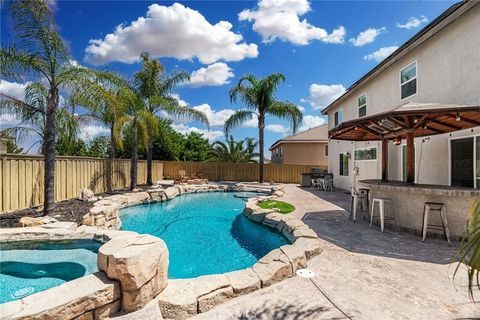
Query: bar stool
[
  {"x": 381, "y": 205},
  {"x": 441, "y": 209},
  {"x": 356, "y": 197}
]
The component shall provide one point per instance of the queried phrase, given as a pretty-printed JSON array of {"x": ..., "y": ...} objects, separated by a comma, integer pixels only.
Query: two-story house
[
  {"x": 438, "y": 65},
  {"x": 308, "y": 147}
]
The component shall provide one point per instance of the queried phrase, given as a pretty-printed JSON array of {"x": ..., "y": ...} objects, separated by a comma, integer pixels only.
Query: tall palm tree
[
  {"x": 105, "y": 104},
  {"x": 134, "y": 120},
  {"x": 40, "y": 52},
  {"x": 258, "y": 96},
  {"x": 155, "y": 87},
  {"x": 234, "y": 151}
]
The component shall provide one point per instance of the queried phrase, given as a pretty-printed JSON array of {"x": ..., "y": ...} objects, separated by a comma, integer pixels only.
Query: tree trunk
[
  {"x": 133, "y": 169},
  {"x": 261, "y": 127},
  {"x": 49, "y": 151},
  {"x": 149, "y": 155},
  {"x": 110, "y": 161},
  {"x": 112, "y": 142}
]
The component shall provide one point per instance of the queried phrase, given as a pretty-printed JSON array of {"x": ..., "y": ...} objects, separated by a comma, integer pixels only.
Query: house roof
[
  {"x": 427, "y": 32},
  {"x": 314, "y": 135},
  {"x": 423, "y": 119}
]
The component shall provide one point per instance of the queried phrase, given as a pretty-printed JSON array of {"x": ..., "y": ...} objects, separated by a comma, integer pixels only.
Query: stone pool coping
[{"x": 137, "y": 283}]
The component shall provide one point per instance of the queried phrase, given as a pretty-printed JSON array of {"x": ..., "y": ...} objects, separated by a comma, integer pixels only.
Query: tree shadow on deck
[{"x": 335, "y": 227}]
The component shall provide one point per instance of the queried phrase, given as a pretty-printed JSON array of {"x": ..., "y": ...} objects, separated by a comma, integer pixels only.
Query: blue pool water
[
  {"x": 206, "y": 233},
  {"x": 30, "y": 267}
]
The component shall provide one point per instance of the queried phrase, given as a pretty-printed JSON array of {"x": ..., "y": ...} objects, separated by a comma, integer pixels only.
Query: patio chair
[
  {"x": 358, "y": 198},
  {"x": 182, "y": 177},
  {"x": 315, "y": 184},
  {"x": 328, "y": 182}
]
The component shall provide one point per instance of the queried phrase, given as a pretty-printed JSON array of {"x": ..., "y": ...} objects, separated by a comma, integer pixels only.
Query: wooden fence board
[
  {"x": 21, "y": 184},
  {"x": 216, "y": 171}
]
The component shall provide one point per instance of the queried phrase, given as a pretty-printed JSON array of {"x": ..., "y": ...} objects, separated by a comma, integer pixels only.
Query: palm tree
[
  {"x": 234, "y": 151},
  {"x": 258, "y": 96},
  {"x": 155, "y": 88},
  {"x": 105, "y": 104},
  {"x": 134, "y": 120},
  {"x": 469, "y": 251},
  {"x": 39, "y": 51}
]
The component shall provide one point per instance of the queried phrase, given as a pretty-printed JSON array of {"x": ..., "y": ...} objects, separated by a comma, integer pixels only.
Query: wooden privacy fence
[
  {"x": 22, "y": 178},
  {"x": 223, "y": 171}
]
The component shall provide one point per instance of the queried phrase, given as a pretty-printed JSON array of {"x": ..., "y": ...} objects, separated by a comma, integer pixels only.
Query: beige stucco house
[
  {"x": 308, "y": 147},
  {"x": 440, "y": 64}
]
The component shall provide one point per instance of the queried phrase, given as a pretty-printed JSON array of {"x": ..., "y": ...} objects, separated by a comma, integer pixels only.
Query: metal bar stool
[
  {"x": 441, "y": 209},
  {"x": 381, "y": 204},
  {"x": 358, "y": 197}
]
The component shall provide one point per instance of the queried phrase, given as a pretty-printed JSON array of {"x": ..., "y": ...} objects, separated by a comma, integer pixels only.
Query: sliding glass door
[{"x": 465, "y": 162}]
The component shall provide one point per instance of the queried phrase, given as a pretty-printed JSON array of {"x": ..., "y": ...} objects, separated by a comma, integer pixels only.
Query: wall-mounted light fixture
[{"x": 458, "y": 117}]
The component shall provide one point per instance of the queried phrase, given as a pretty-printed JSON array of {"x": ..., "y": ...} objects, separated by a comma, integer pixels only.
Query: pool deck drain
[{"x": 305, "y": 273}]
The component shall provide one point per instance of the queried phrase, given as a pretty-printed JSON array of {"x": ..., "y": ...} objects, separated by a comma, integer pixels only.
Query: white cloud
[
  {"x": 321, "y": 95},
  {"x": 216, "y": 74},
  {"x": 8, "y": 120},
  {"x": 91, "y": 130},
  {"x": 280, "y": 19},
  {"x": 277, "y": 128},
  {"x": 310, "y": 121},
  {"x": 413, "y": 22},
  {"x": 380, "y": 54},
  {"x": 180, "y": 101},
  {"x": 367, "y": 36},
  {"x": 216, "y": 118},
  {"x": 176, "y": 31},
  {"x": 211, "y": 135},
  {"x": 13, "y": 89},
  {"x": 301, "y": 108}
]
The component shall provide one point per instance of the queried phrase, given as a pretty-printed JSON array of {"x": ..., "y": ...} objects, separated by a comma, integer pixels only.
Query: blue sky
[{"x": 320, "y": 46}]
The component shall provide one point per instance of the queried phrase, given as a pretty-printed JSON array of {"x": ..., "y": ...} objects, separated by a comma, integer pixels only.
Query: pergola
[{"x": 407, "y": 121}]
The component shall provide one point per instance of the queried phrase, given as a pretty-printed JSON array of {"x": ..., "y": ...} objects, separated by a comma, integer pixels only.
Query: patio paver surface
[{"x": 362, "y": 273}]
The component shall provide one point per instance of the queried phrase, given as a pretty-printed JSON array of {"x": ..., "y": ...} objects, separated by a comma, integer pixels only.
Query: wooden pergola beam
[
  {"x": 463, "y": 118},
  {"x": 448, "y": 125},
  {"x": 410, "y": 156}
]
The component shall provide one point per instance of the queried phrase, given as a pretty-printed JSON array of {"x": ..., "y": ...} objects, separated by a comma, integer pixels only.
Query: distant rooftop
[{"x": 314, "y": 135}]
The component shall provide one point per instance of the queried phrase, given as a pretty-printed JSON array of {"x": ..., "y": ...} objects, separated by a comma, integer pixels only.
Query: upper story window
[
  {"x": 408, "y": 80},
  {"x": 326, "y": 150},
  {"x": 338, "y": 117},
  {"x": 362, "y": 105},
  {"x": 365, "y": 154}
]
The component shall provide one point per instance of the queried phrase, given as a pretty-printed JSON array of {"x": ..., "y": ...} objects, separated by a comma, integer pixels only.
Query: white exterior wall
[{"x": 448, "y": 71}]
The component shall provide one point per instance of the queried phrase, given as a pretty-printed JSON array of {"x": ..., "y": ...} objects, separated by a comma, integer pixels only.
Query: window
[
  {"x": 362, "y": 105},
  {"x": 366, "y": 154},
  {"x": 408, "y": 80},
  {"x": 343, "y": 168},
  {"x": 326, "y": 150},
  {"x": 280, "y": 151},
  {"x": 338, "y": 117}
]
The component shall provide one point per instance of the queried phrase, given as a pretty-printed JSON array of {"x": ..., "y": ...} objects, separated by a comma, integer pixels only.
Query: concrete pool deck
[{"x": 361, "y": 274}]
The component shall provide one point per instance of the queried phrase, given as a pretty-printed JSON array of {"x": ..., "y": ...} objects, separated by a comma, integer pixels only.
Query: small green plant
[
  {"x": 283, "y": 207},
  {"x": 469, "y": 251}
]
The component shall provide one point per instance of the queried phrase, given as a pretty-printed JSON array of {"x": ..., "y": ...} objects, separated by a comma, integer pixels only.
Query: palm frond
[
  {"x": 236, "y": 119},
  {"x": 287, "y": 111},
  {"x": 469, "y": 250}
]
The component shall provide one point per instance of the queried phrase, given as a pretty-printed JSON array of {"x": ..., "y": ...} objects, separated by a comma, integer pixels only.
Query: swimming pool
[
  {"x": 27, "y": 267},
  {"x": 206, "y": 233}
]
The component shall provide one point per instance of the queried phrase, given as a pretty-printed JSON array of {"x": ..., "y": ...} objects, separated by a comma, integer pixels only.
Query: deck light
[
  {"x": 458, "y": 117},
  {"x": 415, "y": 120}
]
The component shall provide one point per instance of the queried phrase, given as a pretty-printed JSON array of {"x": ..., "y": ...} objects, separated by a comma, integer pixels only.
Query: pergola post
[
  {"x": 384, "y": 159},
  {"x": 410, "y": 156}
]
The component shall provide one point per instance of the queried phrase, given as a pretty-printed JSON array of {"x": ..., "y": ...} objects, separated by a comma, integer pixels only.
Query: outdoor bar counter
[{"x": 409, "y": 199}]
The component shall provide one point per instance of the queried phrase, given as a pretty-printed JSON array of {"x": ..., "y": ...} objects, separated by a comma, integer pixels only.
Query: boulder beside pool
[{"x": 139, "y": 263}]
